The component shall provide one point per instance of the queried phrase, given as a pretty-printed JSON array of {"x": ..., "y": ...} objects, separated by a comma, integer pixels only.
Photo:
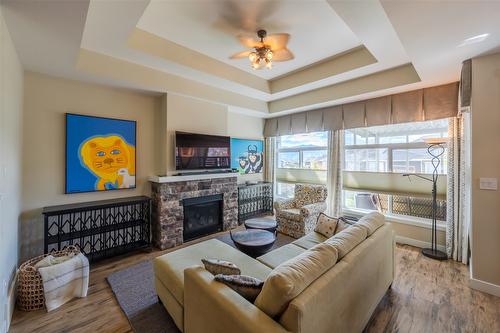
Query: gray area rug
[{"x": 134, "y": 290}]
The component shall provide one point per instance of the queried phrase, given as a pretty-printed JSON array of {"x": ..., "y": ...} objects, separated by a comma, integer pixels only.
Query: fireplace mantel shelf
[{"x": 173, "y": 179}]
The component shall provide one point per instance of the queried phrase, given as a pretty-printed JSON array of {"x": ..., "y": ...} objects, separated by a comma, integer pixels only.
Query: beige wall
[
  {"x": 46, "y": 100},
  {"x": 197, "y": 116},
  {"x": 485, "y": 121},
  {"x": 416, "y": 235},
  {"x": 11, "y": 104}
]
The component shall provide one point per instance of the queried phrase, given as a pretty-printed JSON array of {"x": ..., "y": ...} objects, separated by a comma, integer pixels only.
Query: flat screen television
[{"x": 201, "y": 151}]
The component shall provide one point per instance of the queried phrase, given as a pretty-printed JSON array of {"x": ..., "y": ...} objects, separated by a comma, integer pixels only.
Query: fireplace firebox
[{"x": 203, "y": 215}]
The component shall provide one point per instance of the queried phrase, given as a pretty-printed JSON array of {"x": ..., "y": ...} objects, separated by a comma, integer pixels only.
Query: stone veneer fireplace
[{"x": 168, "y": 204}]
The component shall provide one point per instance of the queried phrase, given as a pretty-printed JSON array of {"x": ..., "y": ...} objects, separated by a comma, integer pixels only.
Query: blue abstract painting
[
  {"x": 247, "y": 155},
  {"x": 100, "y": 153}
]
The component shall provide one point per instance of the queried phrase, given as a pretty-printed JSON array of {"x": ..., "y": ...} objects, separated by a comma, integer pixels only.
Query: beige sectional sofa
[{"x": 340, "y": 300}]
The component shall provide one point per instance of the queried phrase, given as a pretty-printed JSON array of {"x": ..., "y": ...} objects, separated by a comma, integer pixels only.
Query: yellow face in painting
[{"x": 104, "y": 156}]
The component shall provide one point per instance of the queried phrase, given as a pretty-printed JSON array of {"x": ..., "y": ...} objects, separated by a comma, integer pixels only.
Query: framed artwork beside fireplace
[
  {"x": 100, "y": 153},
  {"x": 247, "y": 155}
]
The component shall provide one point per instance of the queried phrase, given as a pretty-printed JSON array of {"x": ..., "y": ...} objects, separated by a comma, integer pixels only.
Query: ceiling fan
[{"x": 266, "y": 50}]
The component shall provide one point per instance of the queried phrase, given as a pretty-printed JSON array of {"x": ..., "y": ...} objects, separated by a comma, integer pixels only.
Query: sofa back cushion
[
  {"x": 371, "y": 222},
  {"x": 347, "y": 239},
  {"x": 293, "y": 276}
]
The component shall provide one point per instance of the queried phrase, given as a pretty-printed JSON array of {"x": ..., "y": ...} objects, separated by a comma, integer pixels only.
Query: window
[
  {"x": 301, "y": 158},
  {"x": 289, "y": 159},
  {"x": 303, "y": 151},
  {"x": 394, "y": 149}
]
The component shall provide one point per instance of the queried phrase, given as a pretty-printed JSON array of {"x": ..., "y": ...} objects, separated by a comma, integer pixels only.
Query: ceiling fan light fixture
[
  {"x": 269, "y": 48},
  {"x": 252, "y": 57},
  {"x": 269, "y": 55}
]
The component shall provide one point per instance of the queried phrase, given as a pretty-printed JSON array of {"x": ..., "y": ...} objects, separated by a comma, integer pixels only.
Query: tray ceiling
[
  {"x": 211, "y": 27},
  {"x": 344, "y": 50}
]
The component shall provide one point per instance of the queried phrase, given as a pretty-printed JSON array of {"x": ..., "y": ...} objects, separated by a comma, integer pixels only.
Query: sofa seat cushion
[
  {"x": 310, "y": 240},
  {"x": 169, "y": 268},
  {"x": 289, "y": 279},
  {"x": 276, "y": 257},
  {"x": 347, "y": 239},
  {"x": 291, "y": 214},
  {"x": 371, "y": 222}
]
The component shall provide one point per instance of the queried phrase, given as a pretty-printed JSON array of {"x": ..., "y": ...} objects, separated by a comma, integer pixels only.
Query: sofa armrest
[
  {"x": 284, "y": 204},
  {"x": 313, "y": 209},
  {"x": 211, "y": 306}
]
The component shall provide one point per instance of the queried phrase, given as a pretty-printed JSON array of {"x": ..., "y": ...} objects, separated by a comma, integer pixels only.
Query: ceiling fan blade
[
  {"x": 282, "y": 55},
  {"x": 243, "y": 54},
  {"x": 249, "y": 42},
  {"x": 277, "y": 41}
]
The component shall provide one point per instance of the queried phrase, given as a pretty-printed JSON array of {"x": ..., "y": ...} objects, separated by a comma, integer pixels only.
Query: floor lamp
[{"x": 436, "y": 150}]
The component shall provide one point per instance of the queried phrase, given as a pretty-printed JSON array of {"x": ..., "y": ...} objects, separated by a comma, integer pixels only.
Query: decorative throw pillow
[
  {"x": 247, "y": 286},
  {"x": 216, "y": 266},
  {"x": 342, "y": 224},
  {"x": 326, "y": 225}
]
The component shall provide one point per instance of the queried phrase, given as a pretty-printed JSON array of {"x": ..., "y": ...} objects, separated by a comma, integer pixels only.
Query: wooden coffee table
[
  {"x": 253, "y": 242},
  {"x": 262, "y": 223}
]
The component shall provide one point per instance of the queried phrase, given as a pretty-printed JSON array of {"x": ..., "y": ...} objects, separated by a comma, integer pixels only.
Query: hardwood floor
[
  {"x": 433, "y": 296},
  {"x": 426, "y": 296}
]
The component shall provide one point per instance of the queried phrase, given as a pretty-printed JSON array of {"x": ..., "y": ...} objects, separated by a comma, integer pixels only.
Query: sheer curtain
[
  {"x": 458, "y": 196},
  {"x": 334, "y": 173},
  {"x": 270, "y": 158}
]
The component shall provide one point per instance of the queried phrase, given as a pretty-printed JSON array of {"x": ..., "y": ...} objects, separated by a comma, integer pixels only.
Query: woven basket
[{"x": 30, "y": 296}]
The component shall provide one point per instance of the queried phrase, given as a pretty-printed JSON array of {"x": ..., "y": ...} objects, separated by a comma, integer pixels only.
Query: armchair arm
[
  {"x": 313, "y": 209},
  {"x": 284, "y": 204},
  {"x": 211, "y": 306}
]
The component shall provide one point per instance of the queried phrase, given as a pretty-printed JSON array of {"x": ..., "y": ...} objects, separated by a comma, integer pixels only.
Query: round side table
[
  {"x": 253, "y": 242},
  {"x": 262, "y": 223}
]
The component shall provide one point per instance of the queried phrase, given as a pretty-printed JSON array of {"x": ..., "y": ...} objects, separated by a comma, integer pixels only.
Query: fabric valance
[{"x": 418, "y": 105}]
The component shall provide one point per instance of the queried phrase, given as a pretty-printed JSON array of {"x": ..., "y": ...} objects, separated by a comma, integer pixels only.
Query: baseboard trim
[
  {"x": 417, "y": 243},
  {"x": 484, "y": 286},
  {"x": 11, "y": 299}
]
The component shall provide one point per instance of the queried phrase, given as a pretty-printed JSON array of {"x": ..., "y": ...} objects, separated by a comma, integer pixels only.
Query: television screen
[{"x": 200, "y": 151}]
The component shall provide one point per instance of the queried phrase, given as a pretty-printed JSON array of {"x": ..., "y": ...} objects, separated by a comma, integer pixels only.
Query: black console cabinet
[
  {"x": 100, "y": 228},
  {"x": 254, "y": 200}
]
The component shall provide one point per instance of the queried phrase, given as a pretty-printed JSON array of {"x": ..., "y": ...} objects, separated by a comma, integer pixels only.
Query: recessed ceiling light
[{"x": 473, "y": 40}]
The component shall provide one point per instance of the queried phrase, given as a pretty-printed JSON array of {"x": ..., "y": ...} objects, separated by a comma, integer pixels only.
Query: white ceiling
[
  {"x": 211, "y": 27},
  {"x": 433, "y": 36},
  {"x": 435, "y": 33}
]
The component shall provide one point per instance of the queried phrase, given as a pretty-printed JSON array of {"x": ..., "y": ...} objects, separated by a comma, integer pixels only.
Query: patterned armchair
[{"x": 297, "y": 217}]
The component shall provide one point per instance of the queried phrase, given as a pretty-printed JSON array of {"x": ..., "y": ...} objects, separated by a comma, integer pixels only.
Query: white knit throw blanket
[{"x": 65, "y": 281}]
